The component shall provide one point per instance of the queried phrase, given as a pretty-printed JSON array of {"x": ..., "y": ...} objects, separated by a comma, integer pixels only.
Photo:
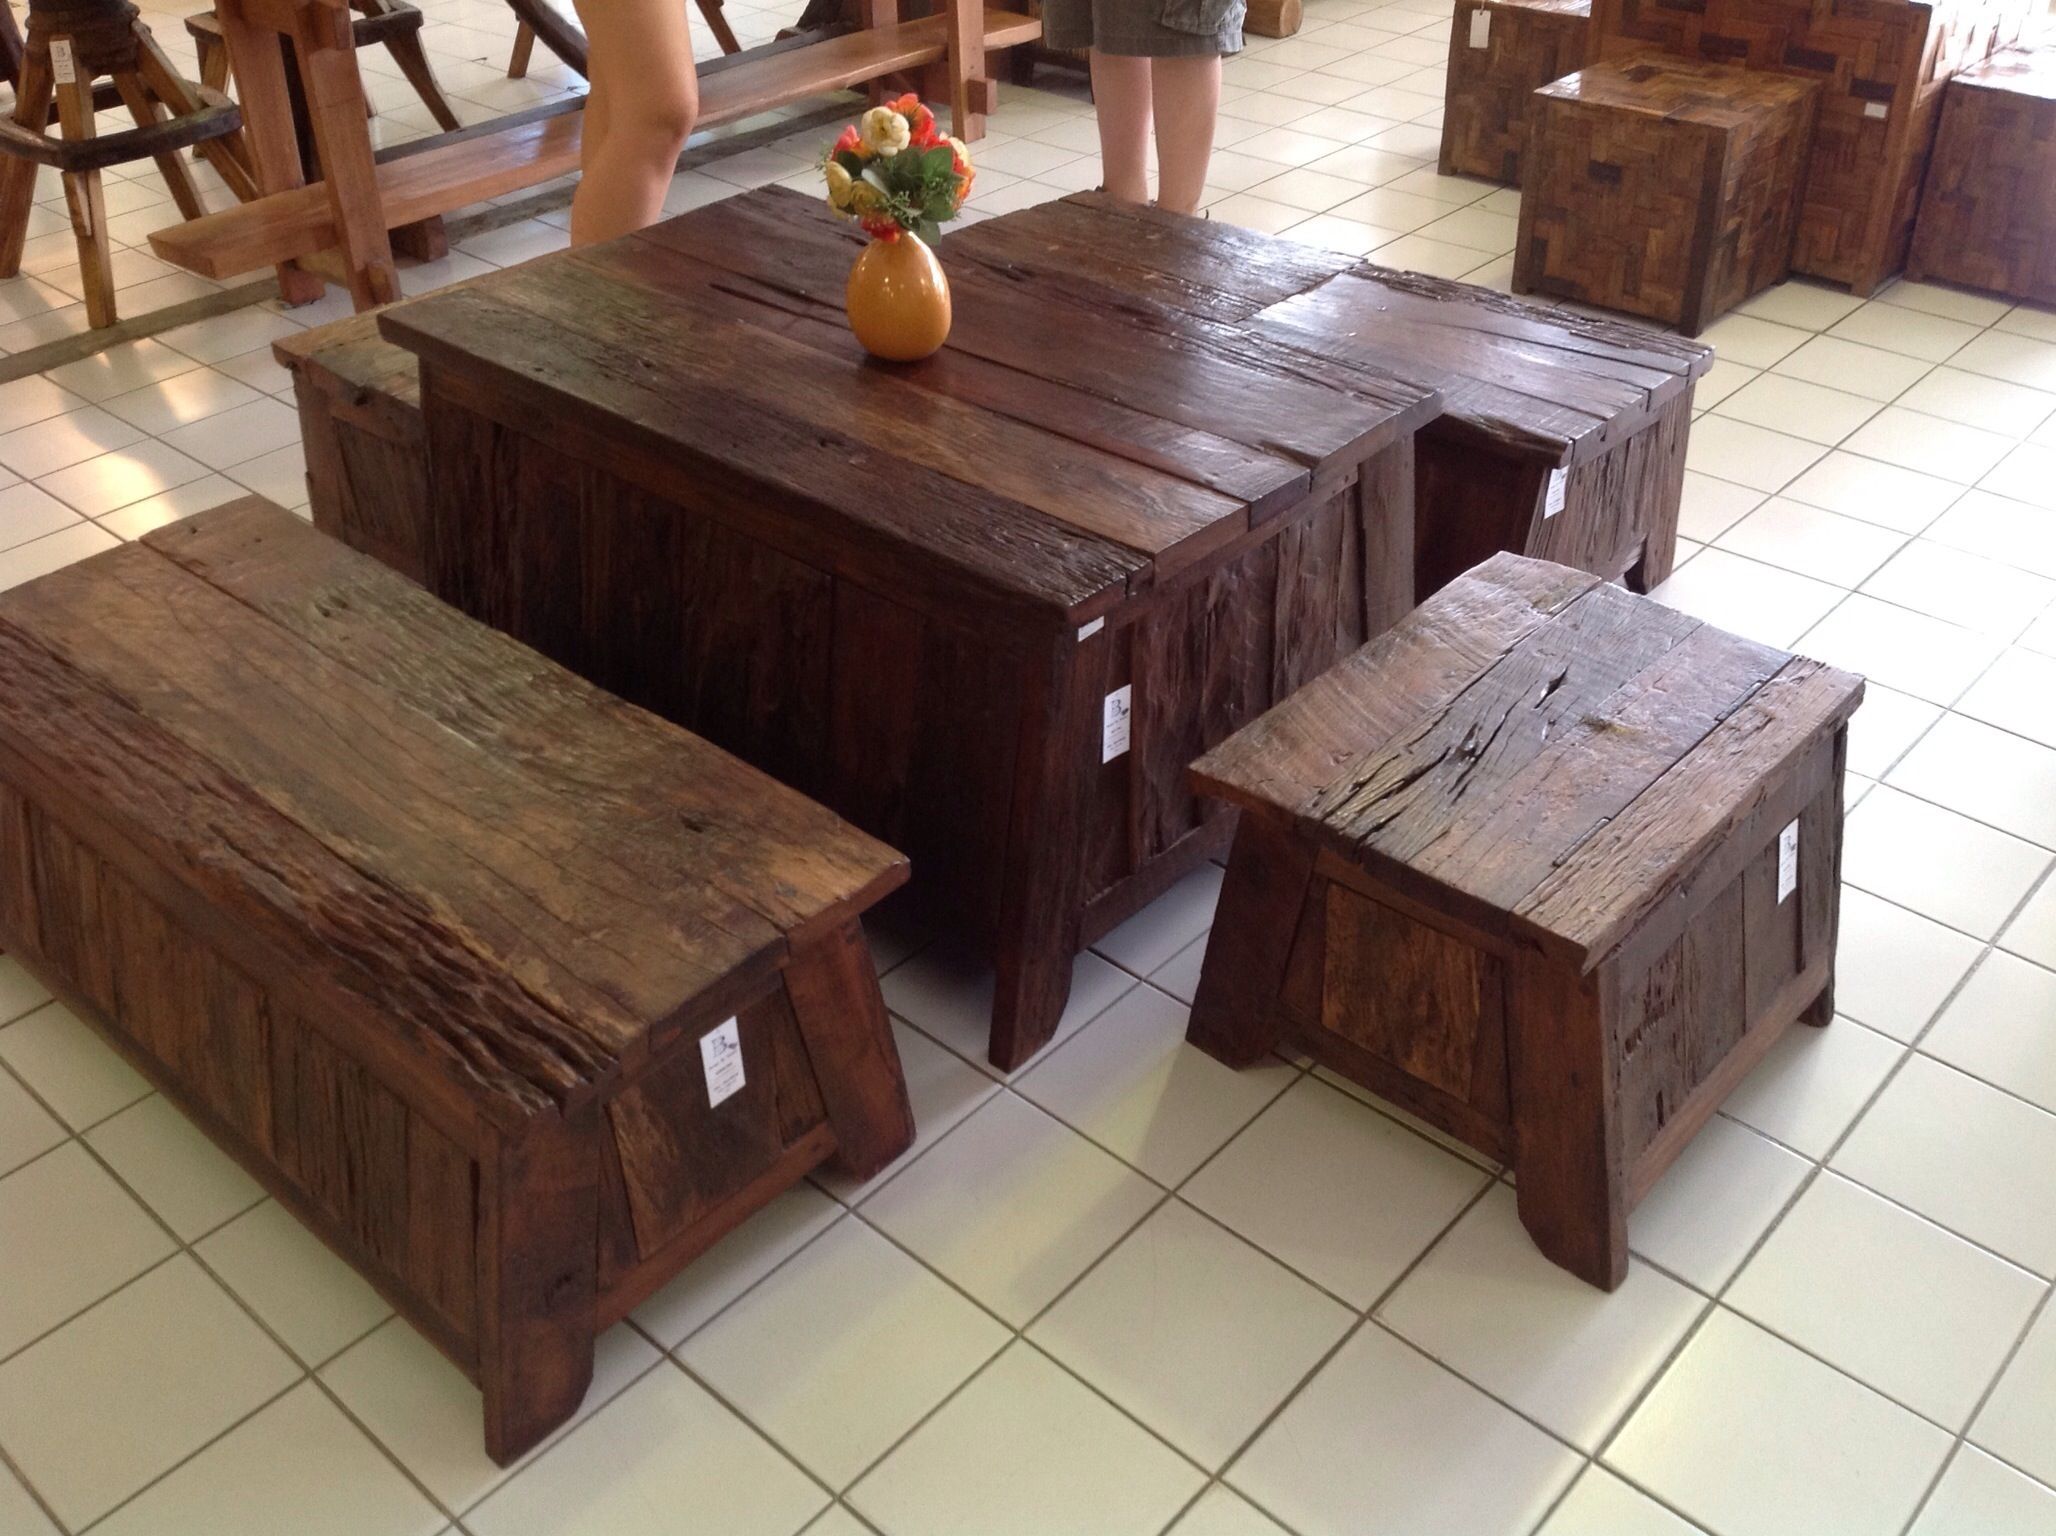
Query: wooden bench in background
[
  {"x": 1563, "y": 947},
  {"x": 517, "y": 995}
]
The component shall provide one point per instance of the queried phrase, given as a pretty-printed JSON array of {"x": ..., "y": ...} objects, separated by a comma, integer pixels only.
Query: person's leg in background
[
  {"x": 644, "y": 99},
  {"x": 1186, "y": 95},
  {"x": 1122, "y": 92}
]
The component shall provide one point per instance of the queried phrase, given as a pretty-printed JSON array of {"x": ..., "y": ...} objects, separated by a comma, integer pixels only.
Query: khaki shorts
[{"x": 1151, "y": 29}]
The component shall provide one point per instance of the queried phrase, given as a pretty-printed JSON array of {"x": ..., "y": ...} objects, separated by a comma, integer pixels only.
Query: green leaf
[{"x": 939, "y": 158}]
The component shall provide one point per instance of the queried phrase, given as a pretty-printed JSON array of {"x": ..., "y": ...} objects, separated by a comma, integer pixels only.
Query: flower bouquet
[{"x": 900, "y": 180}]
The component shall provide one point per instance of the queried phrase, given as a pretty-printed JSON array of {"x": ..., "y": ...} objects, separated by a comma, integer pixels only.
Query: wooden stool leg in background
[
  {"x": 524, "y": 50},
  {"x": 327, "y": 60},
  {"x": 405, "y": 47},
  {"x": 833, "y": 987},
  {"x": 82, "y": 197},
  {"x": 1570, "y": 1176},
  {"x": 169, "y": 165},
  {"x": 717, "y": 23},
  {"x": 229, "y": 154},
  {"x": 1235, "y": 1016},
  {"x": 213, "y": 63},
  {"x": 259, "y": 62},
  {"x": 17, "y": 174}
]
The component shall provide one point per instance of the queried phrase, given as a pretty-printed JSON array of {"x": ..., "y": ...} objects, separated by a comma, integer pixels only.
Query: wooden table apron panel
[{"x": 909, "y": 592}]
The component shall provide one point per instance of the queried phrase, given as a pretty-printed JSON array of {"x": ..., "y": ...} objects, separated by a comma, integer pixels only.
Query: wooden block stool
[
  {"x": 69, "y": 45},
  {"x": 1500, "y": 53},
  {"x": 1664, "y": 187},
  {"x": 1988, "y": 214},
  {"x": 516, "y": 995},
  {"x": 1550, "y": 866}
]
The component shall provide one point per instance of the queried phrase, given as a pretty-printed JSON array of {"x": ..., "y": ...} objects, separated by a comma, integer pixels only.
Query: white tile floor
[{"x": 1129, "y": 1292}]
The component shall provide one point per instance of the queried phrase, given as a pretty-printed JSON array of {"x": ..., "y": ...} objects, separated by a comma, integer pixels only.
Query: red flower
[
  {"x": 879, "y": 228},
  {"x": 849, "y": 143}
]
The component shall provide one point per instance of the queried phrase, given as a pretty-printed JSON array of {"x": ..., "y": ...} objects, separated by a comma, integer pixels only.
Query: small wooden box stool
[
  {"x": 1549, "y": 865},
  {"x": 516, "y": 995},
  {"x": 1664, "y": 187},
  {"x": 1988, "y": 214},
  {"x": 1500, "y": 53}
]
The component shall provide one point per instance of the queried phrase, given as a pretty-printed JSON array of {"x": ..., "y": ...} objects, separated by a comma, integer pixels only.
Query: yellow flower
[
  {"x": 864, "y": 198},
  {"x": 840, "y": 183},
  {"x": 883, "y": 131}
]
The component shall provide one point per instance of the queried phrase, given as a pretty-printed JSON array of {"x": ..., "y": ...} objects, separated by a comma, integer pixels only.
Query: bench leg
[
  {"x": 1235, "y": 1017},
  {"x": 229, "y": 155},
  {"x": 538, "y": 1279},
  {"x": 407, "y": 53},
  {"x": 1571, "y": 1186},
  {"x": 18, "y": 175},
  {"x": 1055, "y": 761},
  {"x": 258, "y": 58},
  {"x": 524, "y": 50},
  {"x": 171, "y": 166},
  {"x": 832, "y": 983}
]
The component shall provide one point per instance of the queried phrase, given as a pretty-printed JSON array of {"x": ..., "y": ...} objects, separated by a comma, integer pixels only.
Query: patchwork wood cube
[
  {"x": 1988, "y": 216},
  {"x": 1499, "y": 53},
  {"x": 1881, "y": 65},
  {"x": 1664, "y": 187},
  {"x": 516, "y": 995},
  {"x": 1550, "y": 866}
]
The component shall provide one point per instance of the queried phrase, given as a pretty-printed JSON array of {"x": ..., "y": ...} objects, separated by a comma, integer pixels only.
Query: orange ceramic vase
[{"x": 898, "y": 300}]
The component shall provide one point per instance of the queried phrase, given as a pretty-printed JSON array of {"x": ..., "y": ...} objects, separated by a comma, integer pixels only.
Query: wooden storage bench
[
  {"x": 1663, "y": 187},
  {"x": 517, "y": 995},
  {"x": 1561, "y": 436},
  {"x": 1988, "y": 218},
  {"x": 360, "y": 423},
  {"x": 1549, "y": 865},
  {"x": 1500, "y": 53}
]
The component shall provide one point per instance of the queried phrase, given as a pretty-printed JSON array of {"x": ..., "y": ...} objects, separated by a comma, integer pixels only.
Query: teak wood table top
[
  {"x": 578, "y": 879},
  {"x": 1085, "y": 432},
  {"x": 1541, "y": 746}
]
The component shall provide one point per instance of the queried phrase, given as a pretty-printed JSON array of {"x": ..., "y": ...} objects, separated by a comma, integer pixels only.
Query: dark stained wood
[
  {"x": 1549, "y": 909},
  {"x": 1500, "y": 52},
  {"x": 1988, "y": 211},
  {"x": 426, "y": 932},
  {"x": 1665, "y": 187},
  {"x": 1882, "y": 66},
  {"x": 909, "y": 591}
]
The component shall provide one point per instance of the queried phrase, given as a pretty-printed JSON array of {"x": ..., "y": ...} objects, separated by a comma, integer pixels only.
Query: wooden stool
[
  {"x": 1663, "y": 187},
  {"x": 395, "y": 24},
  {"x": 71, "y": 44},
  {"x": 1500, "y": 52},
  {"x": 1549, "y": 865},
  {"x": 1988, "y": 214},
  {"x": 517, "y": 996}
]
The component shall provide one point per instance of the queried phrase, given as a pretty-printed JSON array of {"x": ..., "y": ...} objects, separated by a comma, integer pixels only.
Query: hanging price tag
[
  {"x": 721, "y": 1058},
  {"x": 1552, "y": 498},
  {"x": 1114, "y": 723},
  {"x": 1788, "y": 861},
  {"x": 1481, "y": 28},
  {"x": 62, "y": 66}
]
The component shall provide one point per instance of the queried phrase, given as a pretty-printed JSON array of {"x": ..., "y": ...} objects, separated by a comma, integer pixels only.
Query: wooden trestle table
[{"x": 988, "y": 606}]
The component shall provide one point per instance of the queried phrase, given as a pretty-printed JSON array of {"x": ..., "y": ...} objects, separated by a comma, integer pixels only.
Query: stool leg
[
  {"x": 170, "y": 166},
  {"x": 88, "y": 209},
  {"x": 1571, "y": 1185},
  {"x": 18, "y": 175},
  {"x": 405, "y": 47},
  {"x": 213, "y": 64},
  {"x": 1235, "y": 1017},
  {"x": 717, "y": 23},
  {"x": 229, "y": 154},
  {"x": 833, "y": 986},
  {"x": 524, "y": 50}
]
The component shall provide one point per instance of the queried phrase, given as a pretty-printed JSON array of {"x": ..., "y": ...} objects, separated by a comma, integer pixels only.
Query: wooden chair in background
[{"x": 70, "y": 45}]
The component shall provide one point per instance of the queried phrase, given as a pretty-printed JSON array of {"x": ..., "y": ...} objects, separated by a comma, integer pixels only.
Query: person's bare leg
[
  {"x": 1186, "y": 97},
  {"x": 1120, "y": 93},
  {"x": 642, "y": 72}
]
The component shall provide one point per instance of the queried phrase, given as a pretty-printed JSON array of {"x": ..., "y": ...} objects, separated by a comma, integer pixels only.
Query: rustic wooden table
[{"x": 988, "y": 606}]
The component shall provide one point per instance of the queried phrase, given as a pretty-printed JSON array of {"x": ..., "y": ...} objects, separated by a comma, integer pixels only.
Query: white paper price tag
[
  {"x": 1552, "y": 499},
  {"x": 1115, "y": 723},
  {"x": 721, "y": 1057},
  {"x": 1087, "y": 631},
  {"x": 62, "y": 67},
  {"x": 1481, "y": 28},
  {"x": 1875, "y": 109},
  {"x": 1788, "y": 861}
]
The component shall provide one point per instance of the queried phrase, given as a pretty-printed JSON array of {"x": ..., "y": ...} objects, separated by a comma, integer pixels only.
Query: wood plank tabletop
[
  {"x": 1071, "y": 446},
  {"x": 531, "y": 878},
  {"x": 1537, "y": 741}
]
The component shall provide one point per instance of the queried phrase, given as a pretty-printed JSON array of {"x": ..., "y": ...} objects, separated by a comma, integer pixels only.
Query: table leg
[
  {"x": 1043, "y": 888},
  {"x": 1235, "y": 1016},
  {"x": 259, "y": 65},
  {"x": 327, "y": 53},
  {"x": 833, "y": 985}
]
